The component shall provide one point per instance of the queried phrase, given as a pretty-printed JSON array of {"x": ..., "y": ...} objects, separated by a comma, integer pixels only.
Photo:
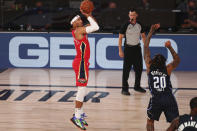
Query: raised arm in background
[
  {"x": 147, "y": 57},
  {"x": 176, "y": 58}
]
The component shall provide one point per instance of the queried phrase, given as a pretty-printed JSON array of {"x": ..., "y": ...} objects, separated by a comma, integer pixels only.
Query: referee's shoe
[
  {"x": 139, "y": 89},
  {"x": 125, "y": 92}
]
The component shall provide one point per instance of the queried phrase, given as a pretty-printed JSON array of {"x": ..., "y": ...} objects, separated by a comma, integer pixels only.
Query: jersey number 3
[{"x": 159, "y": 83}]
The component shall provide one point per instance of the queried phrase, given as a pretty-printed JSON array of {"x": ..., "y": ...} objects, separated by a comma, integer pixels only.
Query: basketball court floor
[{"x": 43, "y": 100}]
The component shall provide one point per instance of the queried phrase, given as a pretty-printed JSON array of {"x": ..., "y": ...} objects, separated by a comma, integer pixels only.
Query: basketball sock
[
  {"x": 82, "y": 110},
  {"x": 78, "y": 112}
]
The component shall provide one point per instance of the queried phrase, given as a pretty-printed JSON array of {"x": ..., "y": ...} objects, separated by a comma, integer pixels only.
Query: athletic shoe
[
  {"x": 126, "y": 93},
  {"x": 78, "y": 123},
  {"x": 140, "y": 89},
  {"x": 83, "y": 119}
]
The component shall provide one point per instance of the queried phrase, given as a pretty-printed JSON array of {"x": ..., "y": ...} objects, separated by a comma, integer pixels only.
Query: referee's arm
[
  {"x": 121, "y": 54},
  {"x": 121, "y": 36},
  {"x": 143, "y": 36}
]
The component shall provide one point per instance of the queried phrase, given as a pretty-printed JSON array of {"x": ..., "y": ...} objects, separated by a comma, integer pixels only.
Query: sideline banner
[{"x": 56, "y": 50}]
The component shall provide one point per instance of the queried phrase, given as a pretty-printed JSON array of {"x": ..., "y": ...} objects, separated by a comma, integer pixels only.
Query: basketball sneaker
[
  {"x": 139, "y": 89},
  {"x": 78, "y": 123},
  {"x": 83, "y": 119}
]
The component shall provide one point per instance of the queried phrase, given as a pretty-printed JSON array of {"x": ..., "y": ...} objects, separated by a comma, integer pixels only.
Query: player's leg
[
  {"x": 81, "y": 72},
  {"x": 138, "y": 67},
  {"x": 79, "y": 113},
  {"x": 85, "y": 76},
  {"x": 171, "y": 108},
  {"x": 150, "y": 125},
  {"x": 77, "y": 118},
  {"x": 153, "y": 112},
  {"x": 126, "y": 71}
]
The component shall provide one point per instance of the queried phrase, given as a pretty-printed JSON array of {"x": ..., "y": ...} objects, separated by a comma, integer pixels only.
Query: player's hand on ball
[
  {"x": 85, "y": 14},
  {"x": 167, "y": 44},
  {"x": 87, "y": 6}
]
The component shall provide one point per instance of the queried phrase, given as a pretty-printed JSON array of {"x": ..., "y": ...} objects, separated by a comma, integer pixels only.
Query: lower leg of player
[
  {"x": 79, "y": 104},
  {"x": 78, "y": 109},
  {"x": 150, "y": 125},
  {"x": 77, "y": 118},
  {"x": 79, "y": 101}
]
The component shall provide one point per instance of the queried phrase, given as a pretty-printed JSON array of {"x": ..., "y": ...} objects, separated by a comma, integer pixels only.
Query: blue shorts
[{"x": 163, "y": 103}]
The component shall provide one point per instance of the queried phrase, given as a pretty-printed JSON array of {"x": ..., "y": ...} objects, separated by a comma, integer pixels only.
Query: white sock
[
  {"x": 81, "y": 110},
  {"x": 78, "y": 112}
]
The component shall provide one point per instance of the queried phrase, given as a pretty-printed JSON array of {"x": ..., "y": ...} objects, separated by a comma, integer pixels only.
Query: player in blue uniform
[
  {"x": 159, "y": 83},
  {"x": 186, "y": 122}
]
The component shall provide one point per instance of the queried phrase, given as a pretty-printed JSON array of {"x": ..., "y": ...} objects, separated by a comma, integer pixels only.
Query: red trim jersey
[{"x": 81, "y": 61}]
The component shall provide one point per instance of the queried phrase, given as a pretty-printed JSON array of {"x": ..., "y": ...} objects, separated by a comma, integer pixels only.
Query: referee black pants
[{"x": 132, "y": 57}]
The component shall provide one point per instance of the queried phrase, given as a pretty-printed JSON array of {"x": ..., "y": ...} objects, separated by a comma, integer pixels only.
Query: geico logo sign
[{"x": 50, "y": 52}]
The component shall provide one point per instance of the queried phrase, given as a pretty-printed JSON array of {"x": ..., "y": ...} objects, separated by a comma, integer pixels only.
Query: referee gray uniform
[{"x": 132, "y": 54}]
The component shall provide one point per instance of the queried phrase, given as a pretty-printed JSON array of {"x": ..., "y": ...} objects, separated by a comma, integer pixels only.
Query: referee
[{"x": 132, "y": 54}]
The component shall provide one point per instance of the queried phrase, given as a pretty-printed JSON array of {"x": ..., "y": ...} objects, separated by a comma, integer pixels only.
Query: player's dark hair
[
  {"x": 158, "y": 62},
  {"x": 132, "y": 10},
  {"x": 71, "y": 17},
  {"x": 193, "y": 103}
]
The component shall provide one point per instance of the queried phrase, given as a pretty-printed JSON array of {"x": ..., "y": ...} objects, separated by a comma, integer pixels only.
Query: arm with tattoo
[
  {"x": 147, "y": 57},
  {"x": 176, "y": 58}
]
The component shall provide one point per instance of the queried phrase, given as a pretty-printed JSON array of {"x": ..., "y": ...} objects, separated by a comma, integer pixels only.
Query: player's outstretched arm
[
  {"x": 173, "y": 125},
  {"x": 176, "y": 58},
  {"x": 93, "y": 26},
  {"x": 147, "y": 57}
]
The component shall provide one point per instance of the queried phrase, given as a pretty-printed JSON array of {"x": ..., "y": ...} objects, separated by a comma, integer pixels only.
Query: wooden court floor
[{"x": 43, "y": 100}]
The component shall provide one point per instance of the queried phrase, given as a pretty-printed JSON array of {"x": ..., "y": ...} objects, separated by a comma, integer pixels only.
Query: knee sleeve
[{"x": 81, "y": 93}]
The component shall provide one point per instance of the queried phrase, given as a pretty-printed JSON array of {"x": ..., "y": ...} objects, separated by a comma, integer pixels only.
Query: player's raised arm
[
  {"x": 92, "y": 27},
  {"x": 176, "y": 58},
  {"x": 147, "y": 57}
]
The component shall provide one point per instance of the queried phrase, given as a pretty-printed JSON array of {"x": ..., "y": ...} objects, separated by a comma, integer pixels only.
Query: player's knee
[{"x": 81, "y": 93}]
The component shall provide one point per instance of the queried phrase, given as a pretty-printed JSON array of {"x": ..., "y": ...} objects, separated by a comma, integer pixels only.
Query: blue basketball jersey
[{"x": 159, "y": 82}]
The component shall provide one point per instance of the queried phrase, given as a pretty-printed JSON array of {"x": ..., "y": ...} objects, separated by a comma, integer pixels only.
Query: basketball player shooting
[
  {"x": 159, "y": 83},
  {"x": 81, "y": 61}
]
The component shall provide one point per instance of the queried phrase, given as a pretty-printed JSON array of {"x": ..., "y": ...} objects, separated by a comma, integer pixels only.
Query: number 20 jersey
[{"x": 159, "y": 82}]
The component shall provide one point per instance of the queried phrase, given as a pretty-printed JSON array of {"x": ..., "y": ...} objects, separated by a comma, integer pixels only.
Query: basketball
[{"x": 87, "y": 6}]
